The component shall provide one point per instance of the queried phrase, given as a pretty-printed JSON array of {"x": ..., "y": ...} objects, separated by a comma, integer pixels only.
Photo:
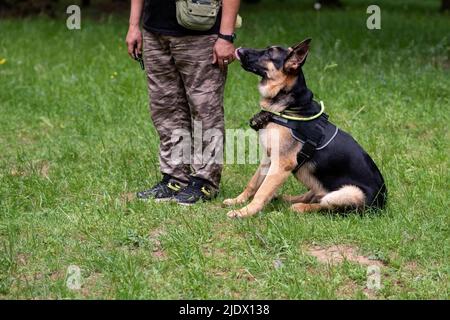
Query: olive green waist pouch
[{"x": 200, "y": 15}]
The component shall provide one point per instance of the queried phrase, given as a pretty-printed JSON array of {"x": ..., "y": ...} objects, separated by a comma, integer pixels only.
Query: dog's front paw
[
  {"x": 230, "y": 202},
  {"x": 235, "y": 214}
]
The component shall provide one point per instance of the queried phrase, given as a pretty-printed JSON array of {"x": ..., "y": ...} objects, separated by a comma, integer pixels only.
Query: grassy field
[{"x": 76, "y": 142}]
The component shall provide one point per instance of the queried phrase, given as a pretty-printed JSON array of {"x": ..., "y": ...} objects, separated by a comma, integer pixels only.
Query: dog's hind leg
[
  {"x": 347, "y": 197},
  {"x": 304, "y": 198}
]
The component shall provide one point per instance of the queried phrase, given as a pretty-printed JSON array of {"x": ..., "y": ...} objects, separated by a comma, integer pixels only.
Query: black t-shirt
[{"x": 160, "y": 17}]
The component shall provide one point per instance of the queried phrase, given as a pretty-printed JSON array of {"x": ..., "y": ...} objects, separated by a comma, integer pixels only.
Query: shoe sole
[
  {"x": 156, "y": 200},
  {"x": 191, "y": 204},
  {"x": 185, "y": 204}
]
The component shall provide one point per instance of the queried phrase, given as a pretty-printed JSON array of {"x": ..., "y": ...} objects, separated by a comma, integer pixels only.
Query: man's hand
[
  {"x": 134, "y": 41},
  {"x": 223, "y": 53}
]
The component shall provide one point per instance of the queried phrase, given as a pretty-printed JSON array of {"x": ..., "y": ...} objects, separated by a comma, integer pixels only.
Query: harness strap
[
  {"x": 311, "y": 131},
  {"x": 306, "y": 153},
  {"x": 324, "y": 145},
  {"x": 285, "y": 115}
]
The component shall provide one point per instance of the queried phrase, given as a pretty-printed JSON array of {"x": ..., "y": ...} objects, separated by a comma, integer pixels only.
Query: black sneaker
[
  {"x": 197, "y": 189},
  {"x": 162, "y": 191}
]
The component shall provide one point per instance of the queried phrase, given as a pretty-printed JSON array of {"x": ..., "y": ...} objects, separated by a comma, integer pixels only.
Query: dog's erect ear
[{"x": 297, "y": 57}]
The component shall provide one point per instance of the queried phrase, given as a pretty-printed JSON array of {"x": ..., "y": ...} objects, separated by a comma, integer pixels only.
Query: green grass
[{"x": 75, "y": 140}]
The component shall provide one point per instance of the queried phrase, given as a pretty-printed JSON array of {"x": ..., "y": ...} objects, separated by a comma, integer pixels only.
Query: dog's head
[{"x": 276, "y": 65}]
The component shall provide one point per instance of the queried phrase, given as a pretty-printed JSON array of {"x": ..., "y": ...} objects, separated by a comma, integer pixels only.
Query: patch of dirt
[
  {"x": 41, "y": 167},
  {"x": 22, "y": 259},
  {"x": 157, "y": 248},
  {"x": 54, "y": 276},
  {"x": 412, "y": 267},
  {"x": 44, "y": 168},
  {"x": 370, "y": 294},
  {"x": 154, "y": 236},
  {"x": 159, "y": 254},
  {"x": 220, "y": 273},
  {"x": 57, "y": 275},
  {"x": 127, "y": 197},
  {"x": 347, "y": 289},
  {"x": 245, "y": 274},
  {"x": 16, "y": 172},
  {"x": 232, "y": 274},
  {"x": 397, "y": 280},
  {"x": 90, "y": 283},
  {"x": 337, "y": 254},
  {"x": 211, "y": 252}
]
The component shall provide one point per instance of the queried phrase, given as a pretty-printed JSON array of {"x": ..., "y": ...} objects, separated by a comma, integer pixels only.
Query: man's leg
[
  {"x": 204, "y": 85},
  {"x": 169, "y": 107}
]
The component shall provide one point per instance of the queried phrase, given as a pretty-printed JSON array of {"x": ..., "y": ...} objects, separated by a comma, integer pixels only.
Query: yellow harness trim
[
  {"x": 173, "y": 187},
  {"x": 205, "y": 191},
  {"x": 280, "y": 114}
]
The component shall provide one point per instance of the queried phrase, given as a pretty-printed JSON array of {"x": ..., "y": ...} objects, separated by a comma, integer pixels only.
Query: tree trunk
[{"x": 445, "y": 5}]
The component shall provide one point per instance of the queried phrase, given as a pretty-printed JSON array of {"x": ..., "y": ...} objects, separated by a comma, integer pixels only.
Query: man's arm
[
  {"x": 224, "y": 50},
  {"x": 134, "y": 36}
]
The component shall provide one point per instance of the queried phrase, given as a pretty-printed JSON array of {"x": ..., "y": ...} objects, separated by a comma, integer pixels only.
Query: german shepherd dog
[{"x": 339, "y": 177}]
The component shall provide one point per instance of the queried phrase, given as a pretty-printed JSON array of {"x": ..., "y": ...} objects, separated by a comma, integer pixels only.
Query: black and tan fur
[{"x": 341, "y": 176}]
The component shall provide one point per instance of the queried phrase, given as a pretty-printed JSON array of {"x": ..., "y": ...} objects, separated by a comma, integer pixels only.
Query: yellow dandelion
[{"x": 2, "y": 61}]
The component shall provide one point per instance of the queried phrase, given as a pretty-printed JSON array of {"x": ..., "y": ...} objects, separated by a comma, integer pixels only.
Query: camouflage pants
[{"x": 186, "y": 105}]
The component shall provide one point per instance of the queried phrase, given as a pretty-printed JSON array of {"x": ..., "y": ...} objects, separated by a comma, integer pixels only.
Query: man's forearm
[
  {"x": 230, "y": 9},
  {"x": 136, "y": 12}
]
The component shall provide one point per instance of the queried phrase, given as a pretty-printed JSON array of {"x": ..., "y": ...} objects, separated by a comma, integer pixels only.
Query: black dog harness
[{"x": 314, "y": 134}]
